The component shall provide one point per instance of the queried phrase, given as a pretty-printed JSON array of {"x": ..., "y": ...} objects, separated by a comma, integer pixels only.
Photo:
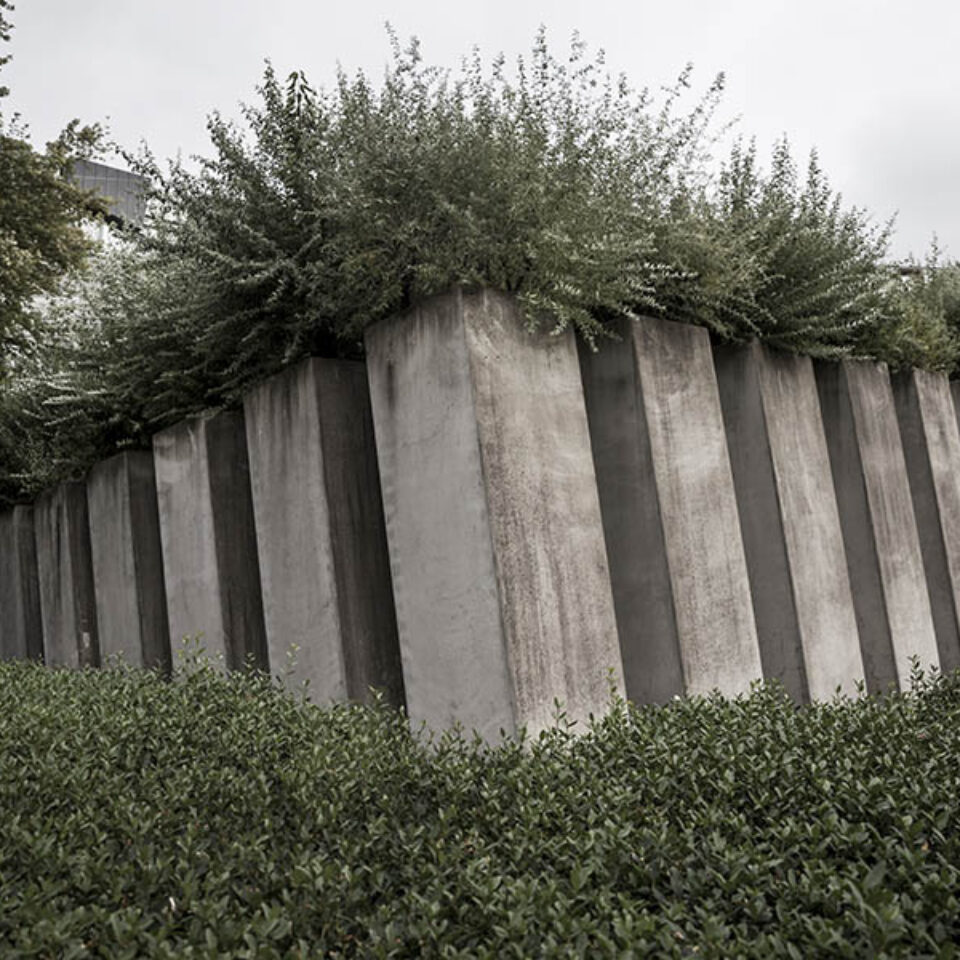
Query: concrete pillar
[
  {"x": 876, "y": 515},
  {"x": 788, "y": 515},
  {"x": 127, "y": 561},
  {"x": 324, "y": 569},
  {"x": 65, "y": 570},
  {"x": 677, "y": 563},
  {"x": 493, "y": 521},
  {"x": 931, "y": 447},
  {"x": 207, "y": 534},
  {"x": 21, "y": 629}
]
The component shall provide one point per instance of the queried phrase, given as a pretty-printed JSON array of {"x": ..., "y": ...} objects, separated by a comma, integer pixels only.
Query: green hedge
[{"x": 216, "y": 816}]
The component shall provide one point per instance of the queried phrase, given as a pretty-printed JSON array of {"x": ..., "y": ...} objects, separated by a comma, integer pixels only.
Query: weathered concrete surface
[
  {"x": 955, "y": 394},
  {"x": 207, "y": 534},
  {"x": 677, "y": 564},
  {"x": 493, "y": 521},
  {"x": 876, "y": 515},
  {"x": 127, "y": 561},
  {"x": 65, "y": 571},
  {"x": 931, "y": 447},
  {"x": 21, "y": 628},
  {"x": 788, "y": 515},
  {"x": 324, "y": 567}
]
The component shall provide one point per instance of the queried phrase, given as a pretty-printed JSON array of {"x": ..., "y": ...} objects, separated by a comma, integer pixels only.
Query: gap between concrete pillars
[
  {"x": 677, "y": 564},
  {"x": 208, "y": 540},
  {"x": 65, "y": 571},
  {"x": 493, "y": 522},
  {"x": 21, "y": 628},
  {"x": 321, "y": 540},
  {"x": 788, "y": 515},
  {"x": 955, "y": 395},
  {"x": 876, "y": 515},
  {"x": 931, "y": 447},
  {"x": 127, "y": 561}
]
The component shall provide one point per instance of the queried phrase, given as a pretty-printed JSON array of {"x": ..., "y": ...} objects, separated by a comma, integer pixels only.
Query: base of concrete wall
[
  {"x": 496, "y": 542},
  {"x": 208, "y": 538},
  {"x": 324, "y": 568},
  {"x": 65, "y": 571},
  {"x": 21, "y": 627},
  {"x": 128, "y": 562},
  {"x": 677, "y": 565}
]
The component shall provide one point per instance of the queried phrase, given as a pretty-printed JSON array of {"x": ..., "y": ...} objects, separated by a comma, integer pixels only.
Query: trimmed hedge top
[{"x": 217, "y": 817}]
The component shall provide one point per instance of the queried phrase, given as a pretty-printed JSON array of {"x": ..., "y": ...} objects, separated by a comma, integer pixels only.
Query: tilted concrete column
[
  {"x": 207, "y": 533},
  {"x": 789, "y": 519},
  {"x": 876, "y": 516},
  {"x": 493, "y": 521},
  {"x": 21, "y": 629},
  {"x": 327, "y": 596},
  {"x": 931, "y": 447},
  {"x": 65, "y": 569},
  {"x": 677, "y": 563},
  {"x": 127, "y": 561}
]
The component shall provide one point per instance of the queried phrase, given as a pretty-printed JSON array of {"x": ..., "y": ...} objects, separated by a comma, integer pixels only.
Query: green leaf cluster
[
  {"x": 325, "y": 211},
  {"x": 330, "y": 210},
  {"x": 216, "y": 816},
  {"x": 41, "y": 213}
]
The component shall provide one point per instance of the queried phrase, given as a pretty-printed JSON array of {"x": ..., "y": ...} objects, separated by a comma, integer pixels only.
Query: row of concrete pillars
[{"x": 482, "y": 521}]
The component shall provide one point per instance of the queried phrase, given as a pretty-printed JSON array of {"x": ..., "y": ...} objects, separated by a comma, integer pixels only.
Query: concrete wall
[
  {"x": 876, "y": 515},
  {"x": 676, "y": 557},
  {"x": 788, "y": 515},
  {"x": 756, "y": 518},
  {"x": 321, "y": 540},
  {"x": 208, "y": 539},
  {"x": 127, "y": 561},
  {"x": 931, "y": 446},
  {"x": 493, "y": 522},
  {"x": 21, "y": 629},
  {"x": 65, "y": 574}
]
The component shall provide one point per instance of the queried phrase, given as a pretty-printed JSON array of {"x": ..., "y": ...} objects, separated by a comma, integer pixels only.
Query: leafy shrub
[
  {"x": 325, "y": 211},
  {"x": 335, "y": 209},
  {"x": 216, "y": 816},
  {"x": 809, "y": 272},
  {"x": 89, "y": 379},
  {"x": 40, "y": 212},
  {"x": 925, "y": 307}
]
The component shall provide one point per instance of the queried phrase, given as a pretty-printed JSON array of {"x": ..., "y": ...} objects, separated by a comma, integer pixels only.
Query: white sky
[{"x": 873, "y": 84}]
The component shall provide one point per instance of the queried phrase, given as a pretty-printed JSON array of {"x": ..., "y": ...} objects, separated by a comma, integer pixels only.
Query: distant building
[{"x": 124, "y": 192}]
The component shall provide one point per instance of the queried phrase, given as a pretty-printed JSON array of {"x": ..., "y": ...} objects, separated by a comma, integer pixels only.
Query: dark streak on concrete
[
  {"x": 21, "y": 628},
  {"x": 760, "y": 520},
  {"x": 357, "y": 532},
  {"x": 921, "y": 410},
  {"x": 225, "y": 447},
  {"x": 65, "y": 569}
]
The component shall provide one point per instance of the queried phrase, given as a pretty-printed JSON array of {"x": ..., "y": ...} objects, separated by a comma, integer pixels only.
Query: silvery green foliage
[
  {"x": 333, "y": 209},
  {"x": 100, "y": 368},
  {"x": 925, "y": 306},
  {"x": 325, "y": 211},
  {"x": 770, "y": 255}
]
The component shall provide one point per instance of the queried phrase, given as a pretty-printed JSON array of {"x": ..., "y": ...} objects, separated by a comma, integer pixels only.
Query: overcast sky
[{"x": 872, "y": 84}]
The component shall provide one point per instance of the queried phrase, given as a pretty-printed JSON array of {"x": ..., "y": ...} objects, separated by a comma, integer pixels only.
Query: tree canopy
[{"x": 40, "y": 215}]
